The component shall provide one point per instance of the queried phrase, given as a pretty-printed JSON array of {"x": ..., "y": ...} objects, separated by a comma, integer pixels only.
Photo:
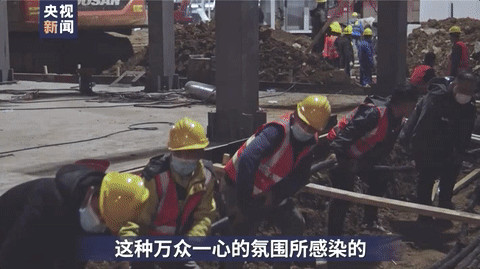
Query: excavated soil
[
  {"x": 282, "y": 55},
  {"x": 433, "y": 36}
]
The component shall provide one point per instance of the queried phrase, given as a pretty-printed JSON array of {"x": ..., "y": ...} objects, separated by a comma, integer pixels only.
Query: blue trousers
[{"x": 365, "y": 75}]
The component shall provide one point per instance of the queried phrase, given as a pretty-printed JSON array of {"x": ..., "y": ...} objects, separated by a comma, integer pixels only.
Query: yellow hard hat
[
  {"x": 315, "y": 111},
  {"x": 321, "y": 1},
  {"x": 187, "y": 134},
  {"x": 354, "y": 14},
  {"x": 121, "y": 198},
  {"x": 454, "y": 30},
  {"x": 367, "y": 32},
  {"x": 348, "y": 30},
  {"x": 335, "y": 27}
]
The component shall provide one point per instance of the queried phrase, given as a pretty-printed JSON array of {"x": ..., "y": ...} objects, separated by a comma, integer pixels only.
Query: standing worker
[
  {"x": 330, "y": 53},
  {"x": 459, "y": 56},
  {"x": 271, "y": 166},
  {"x": 422, "y": 74},
  {"x": 365, "y": 57},
  {"x": 439, "y": 131},
  {"x": 181, "y": 184},
  {"x": 360, "y": 140},
  {"x": 343, "y": 44},
  {"x": 357, "y": 30},
  {"x": 41, "y": 220},
  {"x": 319, "y": 18}
]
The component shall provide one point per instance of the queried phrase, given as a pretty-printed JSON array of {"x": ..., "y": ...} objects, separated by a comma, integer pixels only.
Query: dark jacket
[
  {"x": 439, "y": 128},
  {"x": 39, "y": 222},
  {"x": 343, "y": 44},
  {"x": 362, "y": 122},
  {"x": 319, "y": 18}
]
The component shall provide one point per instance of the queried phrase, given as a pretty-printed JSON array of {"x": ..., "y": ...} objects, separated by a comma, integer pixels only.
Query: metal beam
[
  {"x": 4, "y": 51},
  {"x": 161, "y": 41},
  {"x": 237, "y": 64},
  {"x": 392, "y": 45}
]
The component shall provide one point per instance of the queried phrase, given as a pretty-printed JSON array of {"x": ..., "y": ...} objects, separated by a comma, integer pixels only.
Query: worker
[
  {"x": 357, "y": 29},
  {"x": 459, "y": 56},
  {"x": 319, "y": 18},
  {"x": 438, "y": 132},
  {"x": 183, "y": 183},
  {"x": 423, "y": 73},
  {"x": 329, "y": 51},
  {"x": 343, "y": 44},
  {"x": 41, "y": 220},
  {"x": 271, "y": 166},
  {"x": 362, "y": 139},
  {"x": 365, "y": 56}
]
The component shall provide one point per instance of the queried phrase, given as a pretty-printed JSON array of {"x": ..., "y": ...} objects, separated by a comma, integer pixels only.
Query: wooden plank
[
  {"x": 218, "y": 168},
  {"x": 466, "y": 180},
  {"x": 396, "y": 204}
]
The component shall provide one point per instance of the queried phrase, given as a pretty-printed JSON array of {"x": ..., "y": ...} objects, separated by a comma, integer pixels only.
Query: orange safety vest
[
  {"x": 170, "y": 219},
  {"x": 329, "y": 50},
  {"x": 273, "y": 168},
  {"x": 369, "y": 140}
]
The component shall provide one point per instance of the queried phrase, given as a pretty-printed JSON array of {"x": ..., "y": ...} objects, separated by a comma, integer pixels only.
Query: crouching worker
[
  {"x": 360, "y": 140},
  {"x": 41, "y": 220},
  {"x": 270, "y": 167},
  {"x": 181, "y": 186}
]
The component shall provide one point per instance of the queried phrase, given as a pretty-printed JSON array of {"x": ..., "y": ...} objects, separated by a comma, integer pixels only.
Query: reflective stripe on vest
[
  {"x": 166, "y": 217},
  {"x": 273, "y": 168},
  {"x": 369, "y": 140}
]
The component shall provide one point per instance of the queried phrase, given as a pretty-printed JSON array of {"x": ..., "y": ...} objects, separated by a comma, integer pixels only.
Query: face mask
[
  {"x": 300, "y": 134},
  {"x": 182, "y": 166},
  {"x": 89, "y": 220},
  {"x": 462, "y": 98}
]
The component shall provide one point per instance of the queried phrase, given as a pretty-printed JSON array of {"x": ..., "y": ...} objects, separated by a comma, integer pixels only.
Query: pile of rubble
[
  {"x": 282, "y": 55},
  {"x": 433, "y": 36}
]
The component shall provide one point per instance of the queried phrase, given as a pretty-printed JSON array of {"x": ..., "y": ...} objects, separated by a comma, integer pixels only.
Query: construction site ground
[{"x": 38, "y": 114}]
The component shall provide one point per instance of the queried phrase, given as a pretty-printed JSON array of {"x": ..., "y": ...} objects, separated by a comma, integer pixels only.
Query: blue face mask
[{"x": 183, "y": 167}]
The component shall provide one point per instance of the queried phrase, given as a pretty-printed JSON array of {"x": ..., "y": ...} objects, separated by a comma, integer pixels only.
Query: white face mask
[
  {"x": 183, "y": 167},
  {"x": 300, "y": 134},
  {"x": 89, "y": 220},
  {"x": 462, "y": 98}
]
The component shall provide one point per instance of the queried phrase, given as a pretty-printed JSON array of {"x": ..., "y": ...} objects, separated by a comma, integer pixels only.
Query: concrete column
[
  {"x": 161, "y": 40},
  {"x": 4, "y": 51},
  {"x": 237, "y": 66},
  {"x": 392, "y": 45}
]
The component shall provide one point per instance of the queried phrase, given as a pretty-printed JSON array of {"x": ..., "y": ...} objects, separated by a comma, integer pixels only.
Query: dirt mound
[
  {"x": 282, "y": 55},
  {"x": 433, "y": 36}
]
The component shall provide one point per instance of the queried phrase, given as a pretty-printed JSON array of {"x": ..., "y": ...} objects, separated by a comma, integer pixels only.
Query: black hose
[{"x": 132, "y": 127}]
